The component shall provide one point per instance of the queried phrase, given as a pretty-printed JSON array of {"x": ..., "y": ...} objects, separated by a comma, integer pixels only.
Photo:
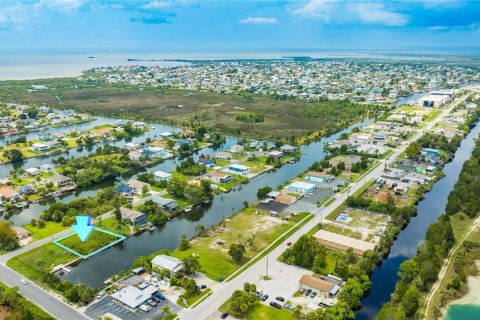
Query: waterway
[
  {"x": 98, "y": 268},
  {"x": 385, "y": 276},
  {"x": 463, "y": 312}
]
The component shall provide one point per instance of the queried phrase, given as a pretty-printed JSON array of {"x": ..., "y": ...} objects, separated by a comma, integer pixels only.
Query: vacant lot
[
  {"x": 276, "y": 119},
  {"x": 96, "y": 241}
]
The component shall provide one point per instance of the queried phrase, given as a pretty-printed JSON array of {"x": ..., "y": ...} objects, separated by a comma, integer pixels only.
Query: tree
[
  {"x": 13, "y": 155},
  {"x": 413, "y": 150},
  {"x": 410, "y": 300},
  {"x": 237, "y": 251},
  {"x": 200, "y": 229},
  {"x": 191, "y": 264},
  {"x": 249, "y": 287},
  {"x": 184, "y": 243},
  {"x": 262, "y": 192},
  {"x": 166, "y": 310},
  {"x": 240, "y": 302},
  {"x": 8, "y": 239},
  {"x": 118, "y": 214}
]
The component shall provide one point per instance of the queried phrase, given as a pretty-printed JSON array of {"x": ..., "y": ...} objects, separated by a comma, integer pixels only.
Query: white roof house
[
  {"x": 134, "y": 297},
  {"x": 160, "y": 175},
  {"x": 163, "y": 261}
]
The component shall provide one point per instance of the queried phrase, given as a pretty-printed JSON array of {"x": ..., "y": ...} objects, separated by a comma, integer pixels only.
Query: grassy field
[
  {"x": 259, "y": 311},
  {"x": 112, "y": 224},
  {"x": 281, "y": 118},
  {"x": 31, "y": 264},
  {"x": 50, "y": 229},
  {"x": 96, "y": 241},
  {"x": 213, "y": 248}
]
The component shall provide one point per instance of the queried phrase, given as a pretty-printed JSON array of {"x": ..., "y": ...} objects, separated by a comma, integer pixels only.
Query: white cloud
[
  {"x": 319, "y": 9},
  {"x": 377, "y": 14},
  {"x": 17, "y": 17},
  {"x": 60, "y": 5},
  {"x": 258, "y": 20},
  {"x": 438, "y": 28},
  {"x": 158, "y": 5}
]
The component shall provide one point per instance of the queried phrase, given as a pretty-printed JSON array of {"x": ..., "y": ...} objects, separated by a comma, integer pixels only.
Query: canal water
[
  {"x": 98, "y": 268},
  {"x": 385, "y": 276}
]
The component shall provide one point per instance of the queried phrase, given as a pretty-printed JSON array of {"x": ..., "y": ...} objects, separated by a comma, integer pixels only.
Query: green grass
[
  {"x": 433, "y": 114},
  {"x": 192, "y": 300},
  {"x": 214, "y": 259},
  {"x": 259, "y": 311},
  {"x": 112, "y": 224},
  {"x": 96, "y": 241},
  {"x": 29, "y": 264},
  {"x": 343, "y": 231},
  {"x": 50, "y": 229},
  {"x": 328, "y": 202}
]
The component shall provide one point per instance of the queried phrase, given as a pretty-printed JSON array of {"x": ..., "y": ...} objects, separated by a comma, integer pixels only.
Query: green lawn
[
  {"x": 30, "y": 263},
  {"x": 256, "y": 165},
  {"x": 433, "y": 114},
  {"x": 50, "y": 229},
  {"x": 190, "y": 301},
  {"x": 213, "y": 249},
  {"x": 96, "y": 241},
  {"x": 259, "y": 311},
  {"x": 112, "y": 224}
]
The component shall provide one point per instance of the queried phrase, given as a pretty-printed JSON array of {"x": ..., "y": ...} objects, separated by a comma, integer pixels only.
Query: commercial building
[
  {"x": 133, "y": 297},
  {"x": 163, "y": 261},
  {"x": 433, "y": 101},
  {"x": 318, "y": 176},
  {"x": 321, "y": 285},
  {"x": 342, "y": 243},
  {"x": 301, "y": 187}
]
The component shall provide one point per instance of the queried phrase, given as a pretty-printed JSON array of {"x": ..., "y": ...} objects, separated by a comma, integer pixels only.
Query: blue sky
[{"x": 205, "y": 25}]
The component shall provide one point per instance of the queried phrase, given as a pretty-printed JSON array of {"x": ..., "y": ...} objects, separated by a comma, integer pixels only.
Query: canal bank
[
  {"x": 168, "y": 236},
  {"x": 384, "y": 277}
]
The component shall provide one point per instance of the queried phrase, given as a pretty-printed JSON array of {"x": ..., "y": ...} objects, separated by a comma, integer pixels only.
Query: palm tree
[{"x": 166, "y": 310}]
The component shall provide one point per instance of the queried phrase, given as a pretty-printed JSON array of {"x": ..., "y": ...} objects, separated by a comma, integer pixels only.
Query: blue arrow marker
[{"x": 84, "y": 227}]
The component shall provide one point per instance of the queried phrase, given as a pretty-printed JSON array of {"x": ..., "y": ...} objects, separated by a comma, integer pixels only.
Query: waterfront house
[
  {"x": 286, "y": 148},
  {"x": 236, "y": 148},
  {"x": 169, "y": 263},
  {"x": 167, "y": 135},
  {"x": 275, "y": 154},
  {"x": 169, "y": 205},
  {"x": 139, "y": 124},
  {"x": 223, "y": 155},
  {"x": 219, "y": 177},
  {"x": 135, "y": 217},
  {"x": 125, "y": 190},
  {"x": 20, "y": 233},
  {"x": 301, "y": 187},
  {"x": 61, "y": 181},
  {"x": 47, "y": 168},
  {"x": 162, "y": 176},
  {"x": 39, "y": 147},
  {"x": 33, "y": 172},
  {"x": 205, "y": 161},
  {"x": 137, "y": 185},
  {"x": 239, "y": 169},
  {"x": 26, "y": 189},
  {"x": 9, "y": 194}
]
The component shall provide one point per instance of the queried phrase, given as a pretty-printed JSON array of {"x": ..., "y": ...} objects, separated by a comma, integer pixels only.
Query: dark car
[
  {"x": 159, "y": 296},
  {"x": 275, "y": 305},
  {"x": 156, "y": 299},
  {"x": 289, "y": 243},
  {"x": 264, "y": 297},
  {"x": 313, "y": 295},
  {"x": 203, "y": 287},
  {"x": 224, "y": 315},
  {"x": 307, "y": 293},
  {"x": 281, "y": 299}
]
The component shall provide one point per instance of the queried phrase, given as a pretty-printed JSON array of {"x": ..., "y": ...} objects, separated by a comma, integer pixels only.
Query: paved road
[{"x": 225, "y": 290}]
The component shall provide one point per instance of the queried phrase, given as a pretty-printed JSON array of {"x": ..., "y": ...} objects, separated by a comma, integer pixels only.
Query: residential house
[
  {"x": 236, "y": 148},
  {"x": 136, "y": 217},
  {"x": 286, "y": 148},
  {"x": 9, "y": 194},
  {"x": 126, "y": 190},
  {"x": 20, "y": 233},
  {"x": 275, "y": 154},
  {"x": 205, "y": 161},
  {"x": 27, "y": 189},
  {"x": 162, "y": 176},
  {"x": 61, "y": 181},
  {"x": 239, "y": 169},
  {"x": 219, "y": 177},
  {"x": 223, "y": 155},
  {"x": 40, "y": 147},
  {"x": 33, "y": 172},
  {"x": 47, "y": 168},
  {"x": 169, "y": 205}
]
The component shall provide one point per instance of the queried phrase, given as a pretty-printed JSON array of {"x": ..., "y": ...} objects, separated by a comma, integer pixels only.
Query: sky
[{"x": 239, "y": 25}]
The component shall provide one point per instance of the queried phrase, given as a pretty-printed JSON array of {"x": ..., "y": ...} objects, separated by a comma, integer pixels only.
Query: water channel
[
  {"x": 168, "y": 236},
  {"x": 385, "y": 276}
]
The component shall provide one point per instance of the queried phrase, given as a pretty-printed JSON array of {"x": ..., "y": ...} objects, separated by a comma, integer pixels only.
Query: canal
[
  {"x": 385, "y": 276},
  {"x": 98, "y": 268}
]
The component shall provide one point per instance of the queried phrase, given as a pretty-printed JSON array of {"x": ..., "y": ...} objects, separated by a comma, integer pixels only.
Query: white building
[
  {"x": 160, "y": 175},
  {"x": 134, "y": 297},
  {"x": 163, "y": 261}
]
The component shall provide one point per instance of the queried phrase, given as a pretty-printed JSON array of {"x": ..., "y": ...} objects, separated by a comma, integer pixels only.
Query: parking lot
[
  {"x": 319, "y": 195},
  {"x": 109, "y": 305},
  {"x": 272, "y": 206}
]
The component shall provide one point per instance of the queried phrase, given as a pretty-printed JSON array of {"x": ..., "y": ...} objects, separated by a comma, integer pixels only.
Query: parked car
[
  {"x": 307, "y": 293},
  {"x": 264, "y": 297},
  {"x": 288, "y": 306},
  {"x": 203, "y": 287},
  {"x": 289, "y": 243},
  {"x": 281, "y": 299},
  {"x": 151, "y": 302},
  {"x": 145, "y": 308},
  {"x": 23, "y": 281},
  {"x": 156, "y": 299},
  {"x": 159, "y": 296},
  {"x": 224, "y": 315},
  {"x": 301, "y": 291},
  {"x": 313, "y": 295},
  {"x": 275, "y": 305}
]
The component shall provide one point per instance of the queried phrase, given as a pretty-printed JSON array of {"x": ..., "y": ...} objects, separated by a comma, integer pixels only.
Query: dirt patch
[
  {"x": 4, "y": 312},
  {"x": 265, "y": 223}
]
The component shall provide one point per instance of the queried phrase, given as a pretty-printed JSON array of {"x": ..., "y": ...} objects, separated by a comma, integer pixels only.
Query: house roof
[
  {"x": 167, "y": 262},
  {"x": 316, "y": 283},
  {"x": 341, "y": 242},
  {"x": 131, "y": 214},
  {"x": 319, "y": 174},
  {"x": 137, "y": 184},
  {"x": 302, "y": 185},
  {"x": 7, "y": 192},
  {"x": 217, "y": 174},
  {"x": 58, "y": 178},
  {"x": 162, "y": 174},
  {"x": 132, "y": 296}
]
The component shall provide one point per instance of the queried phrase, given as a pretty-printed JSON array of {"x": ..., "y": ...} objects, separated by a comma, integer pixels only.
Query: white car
[{"x": 23, "y": 281}]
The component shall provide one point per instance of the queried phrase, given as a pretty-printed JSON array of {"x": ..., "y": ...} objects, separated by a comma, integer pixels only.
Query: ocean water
[{"x": 463, "y": 312}]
